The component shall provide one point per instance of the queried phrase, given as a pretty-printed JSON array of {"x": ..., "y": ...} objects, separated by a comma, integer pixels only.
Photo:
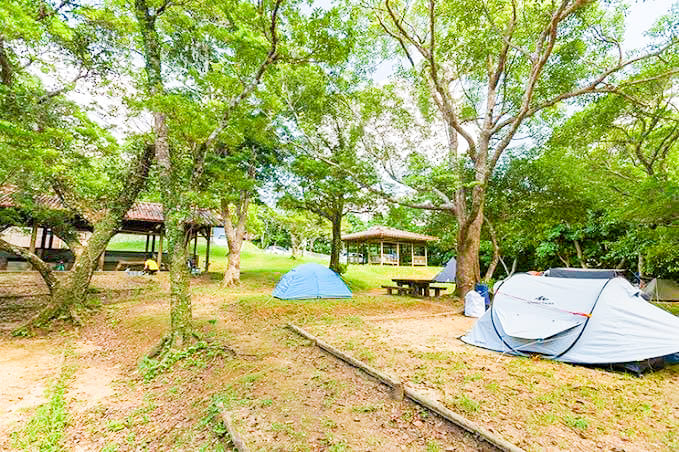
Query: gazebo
[
  {"x": 144, "y": 218},
  {"x": 382, "y": 245}
]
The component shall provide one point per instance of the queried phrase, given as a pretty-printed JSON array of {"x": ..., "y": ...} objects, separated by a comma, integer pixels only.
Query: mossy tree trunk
[{"x": 68, "y": 292}]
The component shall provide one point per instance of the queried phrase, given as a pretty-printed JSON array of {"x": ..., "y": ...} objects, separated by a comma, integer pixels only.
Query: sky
[{"x": 641, "y": 17}]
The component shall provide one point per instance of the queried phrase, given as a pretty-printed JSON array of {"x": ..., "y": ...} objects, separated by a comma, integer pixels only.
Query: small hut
[
  {"x": 381, "y": 245},
  {"x": 143, "y": 218}
]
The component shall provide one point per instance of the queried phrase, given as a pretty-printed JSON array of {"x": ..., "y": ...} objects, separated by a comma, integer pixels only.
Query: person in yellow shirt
[{"x": 150, "y": 266}]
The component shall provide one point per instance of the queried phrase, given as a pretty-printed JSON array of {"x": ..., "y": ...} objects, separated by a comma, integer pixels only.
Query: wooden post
[
  {"x": 398, "y": 254},
  {"x": 43, "y": 237},
  {"x": 381, "y": 252},
  {"x": 195, "y": 243},
  {"x": 153, "y": 244},
  {"x": 159, "y": 259},
  {"x": 51, "y": 239},
  {"x": 412, "y": 254},
  {"x": 146, "y": 250},
  {"x": 102, "y": 260},
  {"x": 426, "y": 261},
  {"x": 207, "y": 249},
  {"x": 34, "y": 236}
]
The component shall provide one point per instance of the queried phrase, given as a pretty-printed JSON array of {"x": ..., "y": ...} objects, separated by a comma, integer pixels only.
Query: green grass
[
  {"x": 45, "y": 430},
  {"x": 264, "y": 269}
]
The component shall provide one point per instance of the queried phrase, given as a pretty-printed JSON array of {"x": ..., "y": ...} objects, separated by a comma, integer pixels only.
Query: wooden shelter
[
  {"x": 144, "y": 218},
  {"x": 382, "y": 245}
]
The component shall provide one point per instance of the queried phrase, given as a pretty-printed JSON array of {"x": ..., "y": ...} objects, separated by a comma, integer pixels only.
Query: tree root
[
  {"x": 71, "y": 313},
  {"x": 175, "y": 347}
]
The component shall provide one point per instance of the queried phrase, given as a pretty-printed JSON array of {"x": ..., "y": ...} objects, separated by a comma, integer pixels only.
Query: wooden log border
[
  {"x": 399, "y": 391},
  {"x": 236, "y": 439}
]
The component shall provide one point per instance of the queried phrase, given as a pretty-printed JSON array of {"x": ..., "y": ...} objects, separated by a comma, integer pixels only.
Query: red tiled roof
[
  {"x": 151, "y": 212},
  {"x": 385, "y": 232}
]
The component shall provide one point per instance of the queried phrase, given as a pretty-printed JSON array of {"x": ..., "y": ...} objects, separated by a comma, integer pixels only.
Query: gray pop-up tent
[
  {"x": 662, "y": 290},
  {"x": 583, "y": 321},
  {"x": 584, "y": 273},
  {"x": 447, "y": 275}
]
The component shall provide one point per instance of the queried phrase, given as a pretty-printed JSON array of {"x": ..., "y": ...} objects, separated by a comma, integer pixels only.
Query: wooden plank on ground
[
  {"x": 236, "y": 439},
  {"x": 397, "y": 388}
]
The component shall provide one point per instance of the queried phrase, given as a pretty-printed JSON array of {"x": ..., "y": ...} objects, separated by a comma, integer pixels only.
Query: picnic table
[{"x": 414, "y": 287}]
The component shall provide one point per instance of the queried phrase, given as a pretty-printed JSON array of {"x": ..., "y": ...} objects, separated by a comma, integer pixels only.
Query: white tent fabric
[{"x": 586, "y": 321}]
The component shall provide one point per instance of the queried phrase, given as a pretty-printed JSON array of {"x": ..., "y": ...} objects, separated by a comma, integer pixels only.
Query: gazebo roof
[
  {"x": 384, "y": 232},
  {"x": 140, "y": 212}
]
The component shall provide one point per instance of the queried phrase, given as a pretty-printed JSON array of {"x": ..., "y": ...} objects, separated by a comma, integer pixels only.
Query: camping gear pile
[
  {"x": 577, "y": 320},
  {"x": 474, "y": 304},
  {"x": 308, "y": 281}
]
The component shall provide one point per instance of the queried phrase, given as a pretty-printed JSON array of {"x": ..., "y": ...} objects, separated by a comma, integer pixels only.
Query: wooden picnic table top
[{"x": 413, "y": 280}]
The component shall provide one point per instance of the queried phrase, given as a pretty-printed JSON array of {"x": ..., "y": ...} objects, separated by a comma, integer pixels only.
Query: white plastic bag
[{"x": 474, "y": 304}]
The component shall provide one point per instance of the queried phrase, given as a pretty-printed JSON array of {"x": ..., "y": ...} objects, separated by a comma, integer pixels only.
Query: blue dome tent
[{"x": 311, "y": 281}]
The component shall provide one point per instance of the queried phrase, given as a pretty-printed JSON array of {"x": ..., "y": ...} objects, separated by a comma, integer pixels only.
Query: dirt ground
[
  {"x": 283, "y": 393},
  {"x": 537, "y": 404}
]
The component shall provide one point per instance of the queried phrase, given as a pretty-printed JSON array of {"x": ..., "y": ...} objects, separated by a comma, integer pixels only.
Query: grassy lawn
[
  {"x": 268, "y": 268},
  {"x": 284, "y": 394}
]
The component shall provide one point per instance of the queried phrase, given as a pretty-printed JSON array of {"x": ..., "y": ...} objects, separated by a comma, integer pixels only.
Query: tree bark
[
  {"x": 578, "y": 250},
  {"x": 336, "y": 246},
  {"x": 468, "y": 246},
  {"x": 234, "y": 238},
  {"x": 294, "y": 245}
]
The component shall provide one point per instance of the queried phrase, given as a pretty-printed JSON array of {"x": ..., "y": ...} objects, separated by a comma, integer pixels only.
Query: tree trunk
[
  {"x": 69, "y": 293},
  {"x": 232, "y": 273},
  {"x": 181, "y": 328},
  {"x": 468, "y": 246},
  {"x": 336, "y": 246},
  {"x": 294, "y": 245},
  {"x": 234, "y": 237},
  {"x": 578, "y": 250}
]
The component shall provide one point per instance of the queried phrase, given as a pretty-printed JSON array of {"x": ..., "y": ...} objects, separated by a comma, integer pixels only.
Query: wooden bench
[
  {"x": 126, "y": 264},
  {"x": 401, "y": 290}
]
